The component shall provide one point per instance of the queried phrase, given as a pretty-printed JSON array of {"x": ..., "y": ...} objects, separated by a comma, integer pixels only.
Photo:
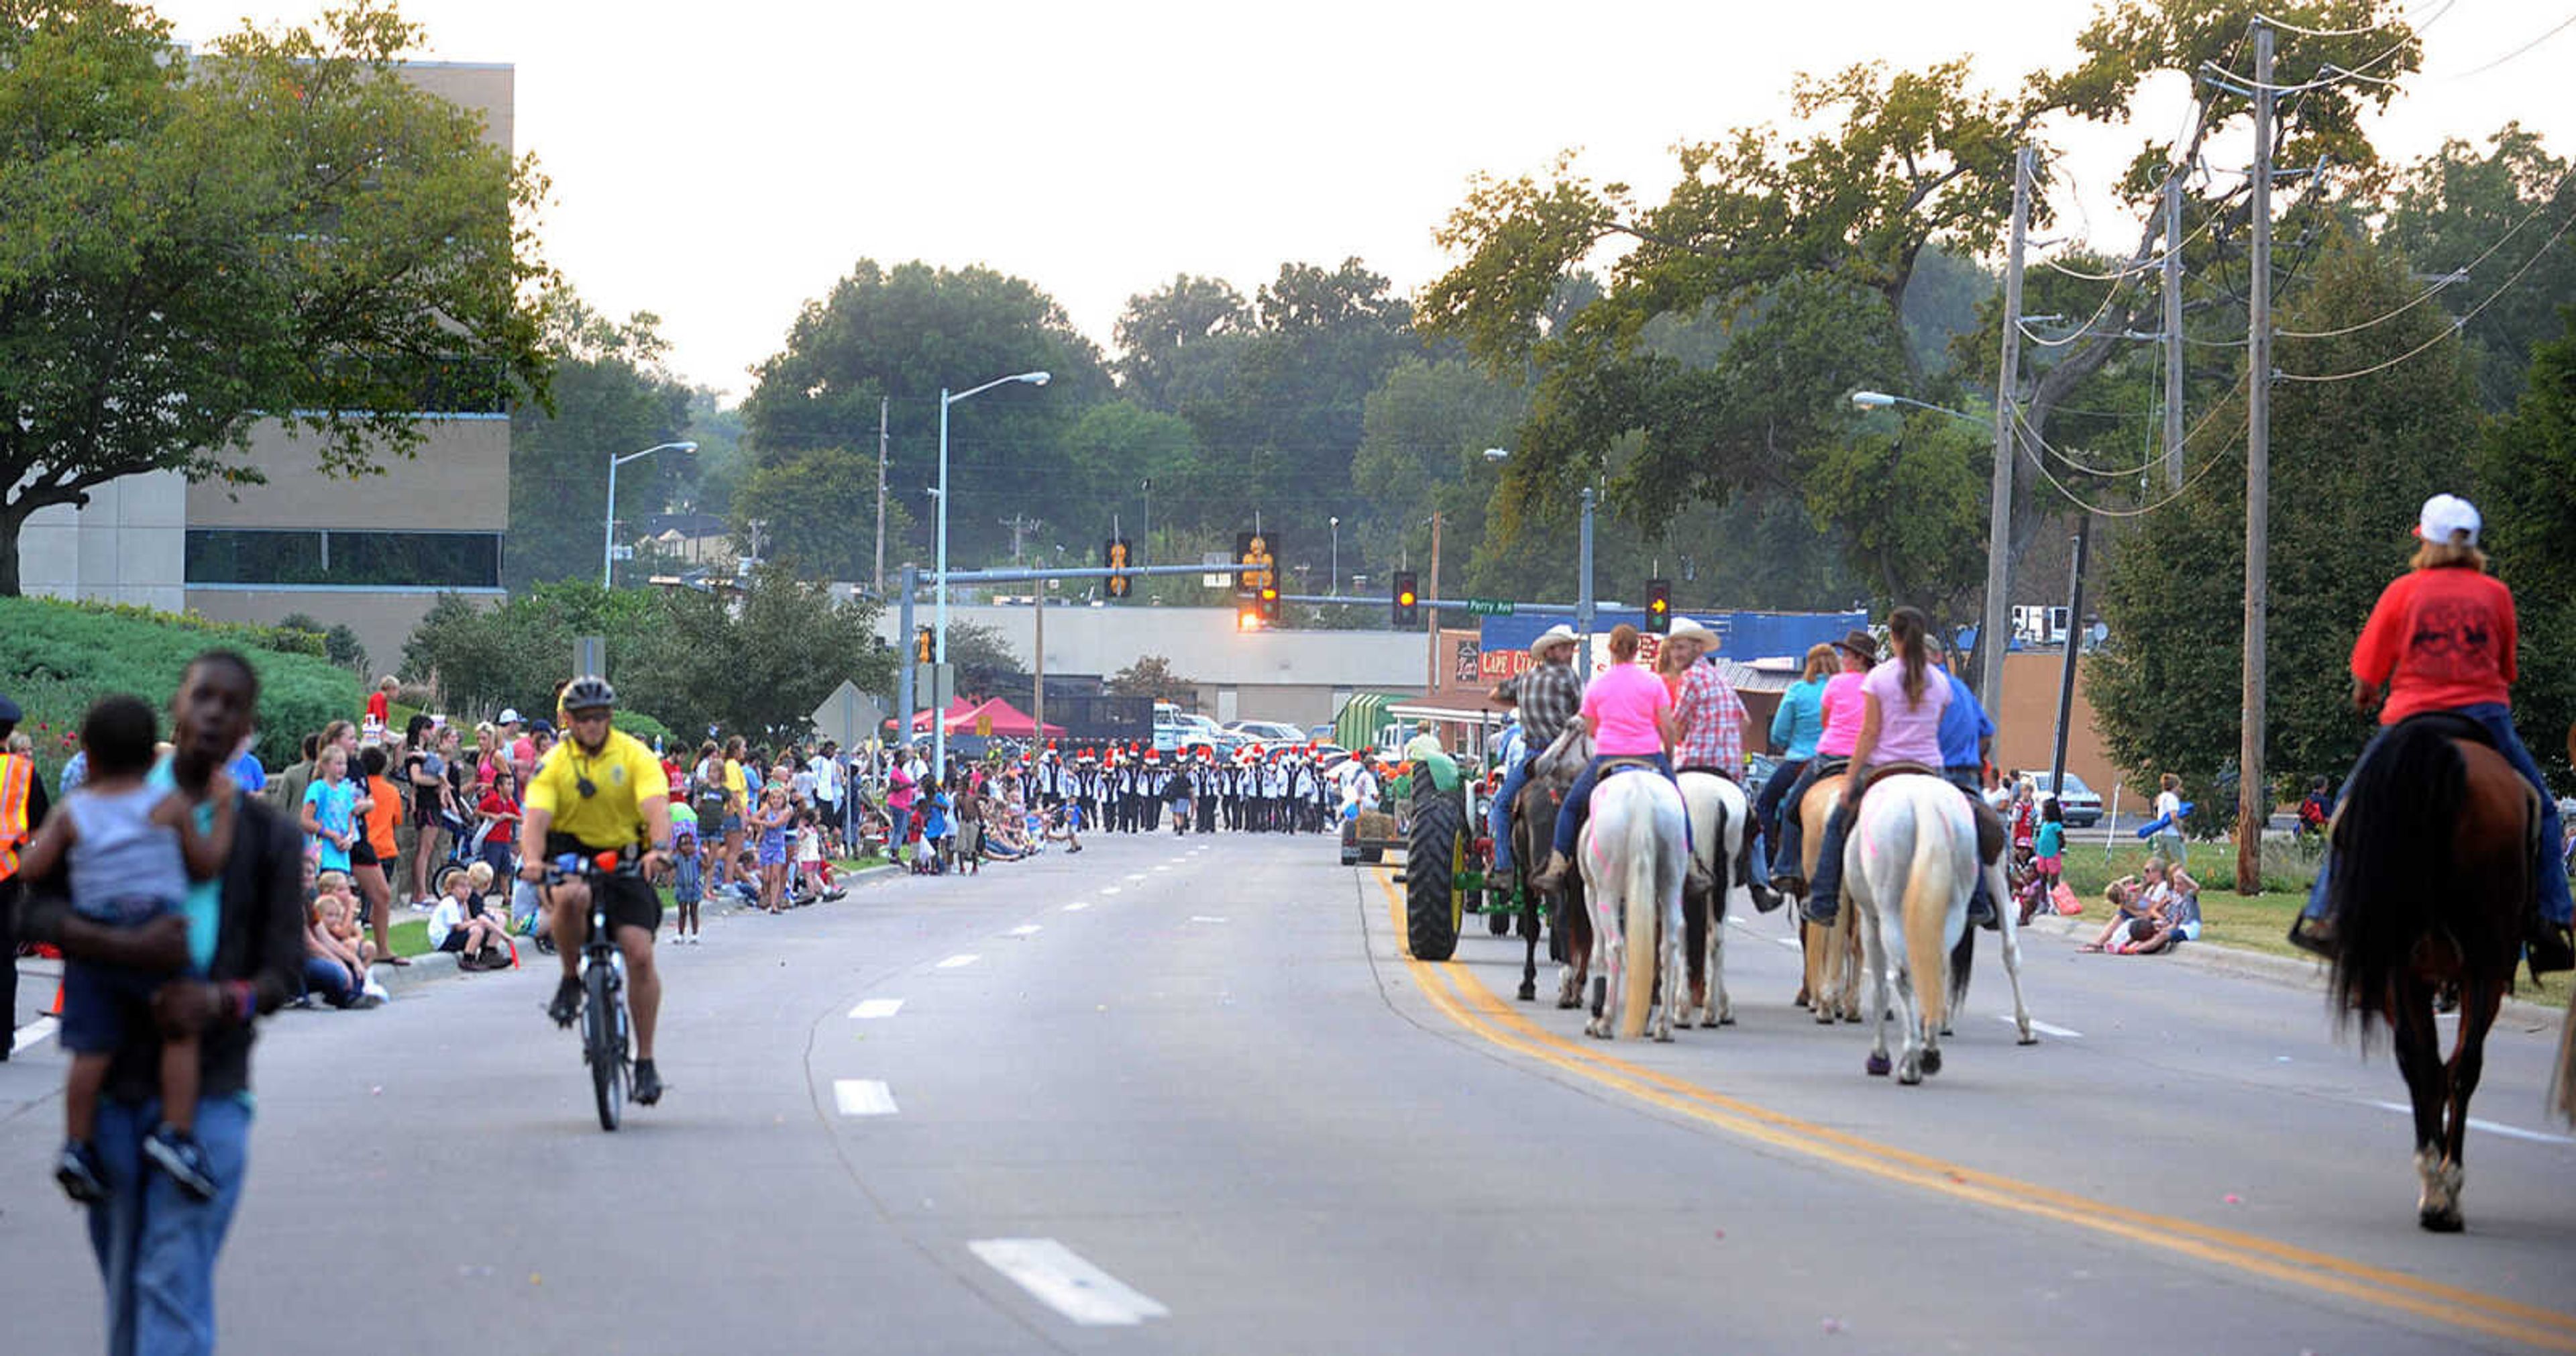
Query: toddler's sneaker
[
  {"x": 177, "y": 1153},
  {"x": 82, "y": 1176}
]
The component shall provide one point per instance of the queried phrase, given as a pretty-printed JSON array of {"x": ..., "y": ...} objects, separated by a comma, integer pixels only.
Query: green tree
[
  {"x": 485, "y": 658},
  {"x": 760, "y": 664},
  {"x": 611, "y": 396},
  {"x": 1151, "y": 676},
  {"x": 283, "y": 228},
  {"x": 1166, "y": 336},
  {"x": 904, "y": 335},
  {"x": 2525, "y": 466},
  {"x": 817, "y": 512},
  {"x": 2489, "y": 219},
  {"x": 2351, "y": 462}
]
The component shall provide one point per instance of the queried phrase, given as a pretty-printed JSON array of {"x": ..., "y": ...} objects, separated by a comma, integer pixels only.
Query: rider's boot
[
  {"x": 2547, "y": 946},
  {"x": 648, "y": 1083},
  {"x": 567, "y": 1004},
  {"x": 1551, "y": 874}
]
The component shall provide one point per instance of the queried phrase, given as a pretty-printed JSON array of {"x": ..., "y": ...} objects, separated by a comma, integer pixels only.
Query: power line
[
  {"x": 2365, "y": 31},
  {"x": 2458, "y": 275},
  {"x": 2455, "y": 326},
  {"x": 2562, "y": 26}
]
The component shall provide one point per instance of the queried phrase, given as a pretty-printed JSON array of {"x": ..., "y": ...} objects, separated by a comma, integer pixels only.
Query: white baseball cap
[
  {"x": 2446, "y": 515},
  {"x": 509, "y": 715}
]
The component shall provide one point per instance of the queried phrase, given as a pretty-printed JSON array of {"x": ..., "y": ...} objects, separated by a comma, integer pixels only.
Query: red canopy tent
[
  {"x": 1008, "y": 720},
  {"x": 959, "y": 717}
]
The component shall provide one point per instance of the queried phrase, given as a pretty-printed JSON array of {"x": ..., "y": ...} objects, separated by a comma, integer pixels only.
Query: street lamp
[
  {"x": 1879, "y": 400},
  {"x": 939, "y": 726},
  {"x": 1992, "y": 636},
  {"x": 608, "y": 529},
  {"x": 1336, "y": 590}
]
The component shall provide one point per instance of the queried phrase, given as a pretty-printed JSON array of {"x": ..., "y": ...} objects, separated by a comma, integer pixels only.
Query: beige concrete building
[{"x": 371, "y": 552}]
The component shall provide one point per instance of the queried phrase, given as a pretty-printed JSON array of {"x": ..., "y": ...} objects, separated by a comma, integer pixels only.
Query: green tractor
[{"x": 1447, "y": 861}]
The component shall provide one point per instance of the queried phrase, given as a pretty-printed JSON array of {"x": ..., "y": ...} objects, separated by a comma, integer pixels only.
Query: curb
[{"x": 2286, "y": 971}]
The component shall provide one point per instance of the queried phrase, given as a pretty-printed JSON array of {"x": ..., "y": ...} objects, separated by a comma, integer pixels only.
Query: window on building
[{"x": 293, "y": 558}]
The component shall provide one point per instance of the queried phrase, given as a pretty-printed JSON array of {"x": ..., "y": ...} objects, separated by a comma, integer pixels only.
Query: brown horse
[
  {"x": 1569, "y": 918},
  {"x": 2430, "y": 876},
  {"x": 1833, "y": 968}
]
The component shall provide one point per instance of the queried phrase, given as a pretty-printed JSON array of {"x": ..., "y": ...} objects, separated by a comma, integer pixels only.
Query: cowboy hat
[
  {"x": 1859, "y": 643},
  {"x": 1559, "y": 634},
  {"x": 1684, "y": 628}
]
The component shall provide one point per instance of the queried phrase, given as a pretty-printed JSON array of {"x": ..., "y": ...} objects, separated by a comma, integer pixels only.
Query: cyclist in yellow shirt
[{"x": 602, "y": 790}]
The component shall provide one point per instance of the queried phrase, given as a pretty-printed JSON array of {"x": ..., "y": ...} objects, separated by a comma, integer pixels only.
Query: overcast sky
[{"x": 722, "y": 164}]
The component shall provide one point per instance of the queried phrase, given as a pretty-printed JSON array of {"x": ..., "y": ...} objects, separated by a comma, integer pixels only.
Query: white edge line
[
  {"x": 863, "y": 1097},
  {"x": 2045, "y": 1028},
  {"x": 2508, "y": 1131},
  {"x": 33, "y": 1032},
  {"x": 869, "y": 1009},
  {"x": 1064, "y": 1281},
  {"x": 1027, "y": 929},
  {"x": 962, "y": 959}
]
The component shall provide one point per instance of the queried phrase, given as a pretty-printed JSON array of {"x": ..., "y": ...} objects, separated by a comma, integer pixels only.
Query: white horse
[
  {"x": 1635, "y": 858},
  {"x": 1909, "y": 867},
  {"x": 1719, "y": 812}
]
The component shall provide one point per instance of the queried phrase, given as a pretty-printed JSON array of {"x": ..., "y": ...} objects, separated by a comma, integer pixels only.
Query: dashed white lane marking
[
  {"x": 1204, "y": 918},
  {"x": 2044, "y": 1028},
  {"x": 2508, "y": 1131},
  {"x": 1162, "y": 868},
  {"x": 1791, "y": 942},
  {"x": 954, "y": 961},
  {"x": 33, "y": 1032},
  {"x": 1109, "y": 889},
  {"x": 863, "y": 1097},
  {"x": 1135, "y": 875},
  {"x": 1077, "y": 906},
  {"x": 1064, "y": 1281},
  {"x": 870, "y": 1009},
  {"x": 1026, "y": 929}
]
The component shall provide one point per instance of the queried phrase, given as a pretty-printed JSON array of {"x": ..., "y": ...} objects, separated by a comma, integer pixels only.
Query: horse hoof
[
  {"x": 1529, "y": 992},
  {"x": 1726, "y": 1018},
  {"x": 2027, "y": 1038},
  {"x": 1854, "y": 1016},
  {"x": 1931, "y": 1061},
  {"x": 1664, "y": 1035},
  {"x": 2443, "y": 1221},
  {"x": 1877, "y": 1066},
  {"x": 1801, "y": 999},
  {"x": 1911, "y": 1075},
  {"x": 1948, "y": 1032}
]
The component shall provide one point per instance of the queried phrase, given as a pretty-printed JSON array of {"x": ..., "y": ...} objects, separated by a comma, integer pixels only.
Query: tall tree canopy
[
  {"x": 611, "y": 396},
  {"x": 281, "y": 228}
]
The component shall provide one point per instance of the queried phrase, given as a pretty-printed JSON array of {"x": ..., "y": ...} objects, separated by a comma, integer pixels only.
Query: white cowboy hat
[
  {"x": 1554, "y": 635},
  {"x": 1684, "y": 628}
]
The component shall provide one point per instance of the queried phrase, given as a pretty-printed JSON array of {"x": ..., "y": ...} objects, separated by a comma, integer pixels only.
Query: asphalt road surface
[{"x": 1184, "y": 1095}]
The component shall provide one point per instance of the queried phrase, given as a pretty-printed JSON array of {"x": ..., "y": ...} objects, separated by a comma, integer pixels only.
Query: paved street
[{"x": 1189, "y": 1096}]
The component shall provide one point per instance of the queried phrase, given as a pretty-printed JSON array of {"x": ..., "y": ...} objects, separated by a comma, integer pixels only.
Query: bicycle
[{"x": 606, "y": 1029}]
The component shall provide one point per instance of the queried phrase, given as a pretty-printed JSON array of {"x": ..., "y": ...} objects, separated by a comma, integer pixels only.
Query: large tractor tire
[{"x": 1430, "y": 858}]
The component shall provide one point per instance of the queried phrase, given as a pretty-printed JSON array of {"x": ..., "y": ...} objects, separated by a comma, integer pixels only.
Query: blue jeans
[
  {"x": 898, "y": 824},
  {"x": 1766, "y": 806},
  {"x": 1498, "y": 816},
  {"x": 1578, "y": 797},
  {"x": 2498, "y": 720},
  {"x": 329, "y": 980},
  {"x": 155, "y": 1247}
]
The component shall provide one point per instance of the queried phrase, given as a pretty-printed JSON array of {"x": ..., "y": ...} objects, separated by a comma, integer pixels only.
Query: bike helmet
[{"x": 587, "y": 691}]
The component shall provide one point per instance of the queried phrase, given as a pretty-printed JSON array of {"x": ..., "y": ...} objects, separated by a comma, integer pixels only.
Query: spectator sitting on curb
[
  {"x": 333, "y": 969},
  {"x": 459, "y": 924},
  {"x": 2175, "y": 919}
]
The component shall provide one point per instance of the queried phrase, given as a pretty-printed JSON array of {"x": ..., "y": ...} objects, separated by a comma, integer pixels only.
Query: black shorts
[
  {"x": 631, "y": 900},
  {"x": 363, "y": 852}
]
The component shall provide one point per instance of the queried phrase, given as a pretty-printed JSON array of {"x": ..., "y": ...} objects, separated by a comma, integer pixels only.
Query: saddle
[
  {"x": 1613, "y": 766},
  {"x": 2453, "y": 725},
  {"x": 1991, "y": 833}
]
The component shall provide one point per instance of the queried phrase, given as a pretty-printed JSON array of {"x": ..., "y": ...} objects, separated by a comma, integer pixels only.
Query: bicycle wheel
[{"x": 604, "y": 1045}]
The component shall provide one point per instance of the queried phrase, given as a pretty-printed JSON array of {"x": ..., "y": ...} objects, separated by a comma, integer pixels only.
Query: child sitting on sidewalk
[{"x": 136, "y": 845}]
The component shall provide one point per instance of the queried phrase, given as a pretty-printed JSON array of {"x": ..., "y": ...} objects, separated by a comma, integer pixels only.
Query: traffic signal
[
  {"x": 1659, "y": 606},
  {"x": 923, "y": 647},
  {"x": 1115, "y": 555},
  {"x": 1408, "y": 603},
  {"x": 1271, "y": 605},
  {"x": 1247, "y": 616}
]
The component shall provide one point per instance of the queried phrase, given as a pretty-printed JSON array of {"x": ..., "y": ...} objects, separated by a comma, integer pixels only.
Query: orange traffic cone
[{"x": 57, "y": 1009}]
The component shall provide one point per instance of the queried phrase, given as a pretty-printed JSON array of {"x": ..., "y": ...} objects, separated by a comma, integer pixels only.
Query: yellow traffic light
[{"x": 1247, "y": 619}]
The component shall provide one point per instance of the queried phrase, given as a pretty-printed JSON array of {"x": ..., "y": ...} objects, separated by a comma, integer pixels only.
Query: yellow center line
[{"x": 1479, "y": 1010}]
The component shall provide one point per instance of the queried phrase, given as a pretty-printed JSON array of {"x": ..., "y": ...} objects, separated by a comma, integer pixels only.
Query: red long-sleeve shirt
[{"x": 2440, "y": 639}]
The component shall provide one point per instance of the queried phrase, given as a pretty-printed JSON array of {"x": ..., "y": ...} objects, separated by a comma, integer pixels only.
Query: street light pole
[
  {"x": 1993, "y": 638},
  {"x": 1336, "y": 589},
  {"x": 608, "y": 529},
  {"x": 938, "y": 720}
]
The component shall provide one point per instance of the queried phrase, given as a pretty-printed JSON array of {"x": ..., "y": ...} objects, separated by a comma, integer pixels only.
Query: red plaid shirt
[{"x": 1712, "y": 723}]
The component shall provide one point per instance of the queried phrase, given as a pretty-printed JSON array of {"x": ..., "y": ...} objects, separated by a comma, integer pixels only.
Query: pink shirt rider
[
  {"x": 1622, "y": 706},
  {"x": 1843, "y": 709},
  {"x": 1907, "y": 734}
]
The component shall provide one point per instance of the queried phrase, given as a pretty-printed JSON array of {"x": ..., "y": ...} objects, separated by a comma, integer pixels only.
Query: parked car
[
  {"x": 1268, "y": 731},
  {"x": 2081, "y": 807}
]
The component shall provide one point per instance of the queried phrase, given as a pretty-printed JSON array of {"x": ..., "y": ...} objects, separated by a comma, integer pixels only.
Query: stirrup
[
  {"x": 2316, "y": 936},
  {"x": 2548, "y": 949}
]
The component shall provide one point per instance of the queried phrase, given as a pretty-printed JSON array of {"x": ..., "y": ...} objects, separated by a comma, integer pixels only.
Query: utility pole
[
  {"x": 904, "y": 662},
  {"x": 2173, "y": 332},
  {"x": 878, "y": 580},
  {"x": 1994, "y": 634},
  {"x": 2253, "y": 797},
  {"x": 1021, "y": 525},
  {"x": 2074, "y": 646},
  {"x": 1583, "y": 595},
  {"x": 1431, "y": 614}
]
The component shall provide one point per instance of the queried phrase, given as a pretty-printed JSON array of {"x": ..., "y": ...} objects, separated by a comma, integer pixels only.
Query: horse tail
[
  {"x": 1641, "y": 907},
  {"x": 1928, "y": 885},
  {"x": 2391, "y": 866}
]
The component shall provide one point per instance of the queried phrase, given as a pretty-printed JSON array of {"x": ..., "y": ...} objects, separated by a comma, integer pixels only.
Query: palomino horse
[
  {"x": 1721, "y": 823},
  {"x": 1832, "y": 953},
  {"x": 1569, "y": 925},
  {"x": 1911, "y": 864},
  {"x": 2429, "y": 873},
  {"x": 1635, "y": 858}
]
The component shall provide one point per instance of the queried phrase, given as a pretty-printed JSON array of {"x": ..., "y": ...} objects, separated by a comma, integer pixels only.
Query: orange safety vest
[{"x": 17, "y": 775}]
